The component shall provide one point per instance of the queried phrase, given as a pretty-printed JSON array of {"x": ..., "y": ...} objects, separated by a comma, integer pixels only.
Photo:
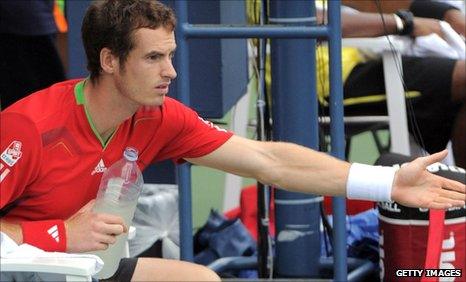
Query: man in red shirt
[{"x": 56, "y": 143}]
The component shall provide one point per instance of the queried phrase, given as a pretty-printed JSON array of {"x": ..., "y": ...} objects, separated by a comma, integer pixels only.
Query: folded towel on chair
[{"x": 9, "y": 249}]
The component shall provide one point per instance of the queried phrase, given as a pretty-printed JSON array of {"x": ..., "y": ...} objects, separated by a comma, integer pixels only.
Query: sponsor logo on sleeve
[
  {"x": 12, "y": 153},
  {"x": 211, "y": 125}
]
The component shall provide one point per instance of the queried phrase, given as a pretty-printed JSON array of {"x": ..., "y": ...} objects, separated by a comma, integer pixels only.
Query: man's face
[{"x": 148, "y": 69}]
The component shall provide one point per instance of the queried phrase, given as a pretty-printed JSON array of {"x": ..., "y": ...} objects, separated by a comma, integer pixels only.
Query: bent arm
[
  {"x": 371, "y": 25},
  {"x": 371, "y": 6},
  {"x": 367, "y": 24},
  {"x": 286, "y": 165},
  {"x": 453, "y": 16},
  {"x": 457, "y": 21},
  {"x": 84, "y": 231},
  {"x": 362, "y": 24}
]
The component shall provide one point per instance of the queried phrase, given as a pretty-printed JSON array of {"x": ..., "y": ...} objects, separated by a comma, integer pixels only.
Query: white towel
[
  {"x": 451, "y": 46},
  {"x": 9, "y": 249}
]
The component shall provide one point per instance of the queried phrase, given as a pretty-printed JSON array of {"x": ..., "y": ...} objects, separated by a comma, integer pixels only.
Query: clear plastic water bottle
[{"x": 118, "y": 194}]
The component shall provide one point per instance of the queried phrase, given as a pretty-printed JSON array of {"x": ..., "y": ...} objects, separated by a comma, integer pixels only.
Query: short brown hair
[{"x": 111, "y": 24}]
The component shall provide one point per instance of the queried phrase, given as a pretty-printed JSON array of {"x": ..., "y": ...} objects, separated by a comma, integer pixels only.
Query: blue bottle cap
[{"x": 130, "y": 154}]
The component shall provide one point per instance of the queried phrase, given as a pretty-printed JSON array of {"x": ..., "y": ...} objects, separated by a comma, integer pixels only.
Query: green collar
[
  {"x": 79, "y": 95},
  {"x": 79, "y": 92}
]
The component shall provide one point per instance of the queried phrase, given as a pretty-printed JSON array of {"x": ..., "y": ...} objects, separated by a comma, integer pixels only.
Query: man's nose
[{"x": 169, "y": 70}]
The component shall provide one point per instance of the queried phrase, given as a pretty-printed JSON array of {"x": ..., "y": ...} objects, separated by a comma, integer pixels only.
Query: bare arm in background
[
  {"x": 457, "y": 21},
  {"x": 364, "y": 24},
  {"x": 455, "y": 18},
  {"x": 370, "y": 6}
]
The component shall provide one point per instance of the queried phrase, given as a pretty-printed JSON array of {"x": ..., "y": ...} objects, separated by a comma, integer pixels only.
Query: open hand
[
  {"x": 88, "y": 231},
  {"x": 414, "y": 186}
]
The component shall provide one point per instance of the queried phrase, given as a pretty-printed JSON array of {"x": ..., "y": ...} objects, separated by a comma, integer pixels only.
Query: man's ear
[{"x": 108, "y": 62}]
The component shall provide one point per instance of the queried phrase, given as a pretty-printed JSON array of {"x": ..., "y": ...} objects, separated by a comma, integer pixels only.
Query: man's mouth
[{"x": 162, "y": 88}]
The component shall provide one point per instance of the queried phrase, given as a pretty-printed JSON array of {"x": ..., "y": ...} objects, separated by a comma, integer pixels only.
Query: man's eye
[{"x": 154, "y": 57}]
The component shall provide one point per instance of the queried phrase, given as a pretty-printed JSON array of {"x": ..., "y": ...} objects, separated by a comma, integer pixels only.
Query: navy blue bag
[{"x": 220, "y": 237}]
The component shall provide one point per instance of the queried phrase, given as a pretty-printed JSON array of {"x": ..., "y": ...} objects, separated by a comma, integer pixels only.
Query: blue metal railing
[
  {"x": 333, "y": 33},
  {"x": 265, "y": 31},
  {"x": 337, "y": 133}
]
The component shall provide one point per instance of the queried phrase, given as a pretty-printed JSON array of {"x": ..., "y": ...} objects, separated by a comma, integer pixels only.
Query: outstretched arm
[
  {"x": 296, "y": 168},
  {"x": 286, "y": 165}
]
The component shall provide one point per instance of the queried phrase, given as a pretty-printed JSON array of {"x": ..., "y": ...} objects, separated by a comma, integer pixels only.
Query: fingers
[
  {"x": 439, "y": 206},
  {"x": 101, "y": 247},
  {"x": 108, "y": 235},
  {"x": 106, "y": 239},
  {"x": 452, "y": 194},
  {"x": 115, "y": 229},
  {"x": 454, "y": 186},
  {"x": 434, "y": 158},
  {"x": 441, "y": 202},
  {"x": 89, "y": 231},
  {"x": 453, "y": 203},
  {"x": 111, "y": 219},
  {"x": 102, "y": 242}
]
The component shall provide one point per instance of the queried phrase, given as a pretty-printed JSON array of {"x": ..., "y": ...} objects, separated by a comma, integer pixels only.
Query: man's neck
[{"x": 106, "y": 106}]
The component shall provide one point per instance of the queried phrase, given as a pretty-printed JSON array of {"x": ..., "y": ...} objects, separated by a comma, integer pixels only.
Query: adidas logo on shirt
[
  {"x": 53, "y": 231},
  {"x": 99, "y": 168}
]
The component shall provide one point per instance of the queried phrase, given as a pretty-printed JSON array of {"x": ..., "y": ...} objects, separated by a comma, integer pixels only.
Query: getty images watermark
[{"x": 429, "y": 273}]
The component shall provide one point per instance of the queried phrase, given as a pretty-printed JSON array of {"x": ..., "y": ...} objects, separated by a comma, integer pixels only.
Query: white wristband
[{"x": 366, "y": 182}]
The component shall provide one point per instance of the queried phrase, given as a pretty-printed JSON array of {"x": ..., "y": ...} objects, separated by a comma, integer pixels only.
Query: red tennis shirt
[{"x": 52, "y": 159}]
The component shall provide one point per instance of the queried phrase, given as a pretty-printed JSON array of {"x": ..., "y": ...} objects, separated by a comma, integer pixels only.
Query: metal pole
[
  {"x": 337, "y": 136},
  {"x": 295, "y": 120},
  {"x": 264, "y": 242},
  {"x": 184, "y": 171},
  {"x": 267, "y": 31}
]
